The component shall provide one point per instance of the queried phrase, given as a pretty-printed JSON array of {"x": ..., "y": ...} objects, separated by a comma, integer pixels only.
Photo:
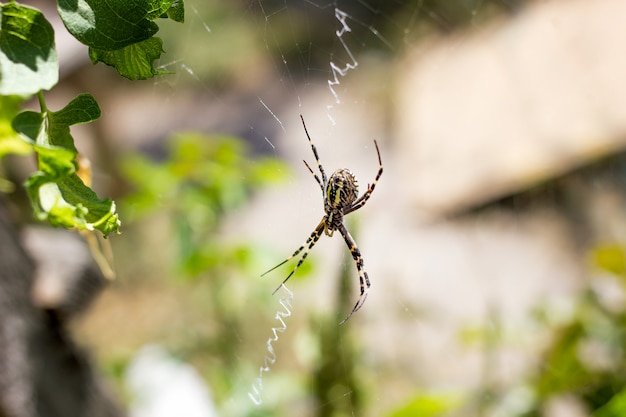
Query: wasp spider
[{"x": 341, "y": 197}]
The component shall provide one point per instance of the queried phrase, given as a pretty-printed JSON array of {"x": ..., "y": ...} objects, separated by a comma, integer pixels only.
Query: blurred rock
[
  {"x": 66, "y": 277},
  {"x": 500, "y": 110}
]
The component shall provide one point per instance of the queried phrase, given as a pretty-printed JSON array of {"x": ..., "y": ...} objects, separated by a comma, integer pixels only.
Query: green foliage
[
  {"x": 586, "y": 358},
  {"x": 109, "y": 25},
  {"x": 429, "y": 405},
  {"x": 118, "y": 33},
  {"x": 55, "y": 190},
  {"x": 176, "y": 12},
  {"x": 133, "y": 61},
  {"x": 610, "y": 258},
  {"x": 28, "y": 58},
  {"x": 187, "y": 195},
  {"x": 616, "y": 407},
  {"x": 582, "y": 359},
  {"x": 203, "y": 178}
]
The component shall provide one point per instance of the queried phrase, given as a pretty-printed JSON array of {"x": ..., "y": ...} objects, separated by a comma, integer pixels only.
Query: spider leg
[
  {"x": 310, "y": 242},
  {"x": 314, "y": 176},
  {"x": 363, "y": 278},
  {"x": 360, "y": 202},
  {"x": 317, "y": 158}
]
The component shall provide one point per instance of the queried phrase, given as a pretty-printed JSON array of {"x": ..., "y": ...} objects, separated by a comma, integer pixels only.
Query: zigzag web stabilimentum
[{"x": 255, "y": 394}]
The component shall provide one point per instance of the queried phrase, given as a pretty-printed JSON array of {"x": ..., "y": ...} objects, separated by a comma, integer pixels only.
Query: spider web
[
  {"x": 336, "y": 62},
  {"x": 318, "y": 58}
]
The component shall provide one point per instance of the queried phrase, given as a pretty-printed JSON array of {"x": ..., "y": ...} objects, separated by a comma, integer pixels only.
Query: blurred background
[{"x": 494, "y": 241}]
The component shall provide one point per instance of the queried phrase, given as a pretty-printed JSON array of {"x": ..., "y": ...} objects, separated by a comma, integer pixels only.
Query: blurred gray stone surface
[
  {"x": 493, "y": 112},
  {"x": 42, "y": 371}
]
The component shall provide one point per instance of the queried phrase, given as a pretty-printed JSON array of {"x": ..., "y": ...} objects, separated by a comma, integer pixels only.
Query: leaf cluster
[{"x": 119, "y": 33}]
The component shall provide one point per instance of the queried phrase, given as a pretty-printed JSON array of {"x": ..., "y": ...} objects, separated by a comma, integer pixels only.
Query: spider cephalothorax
[{"x": 341, "y": 197}]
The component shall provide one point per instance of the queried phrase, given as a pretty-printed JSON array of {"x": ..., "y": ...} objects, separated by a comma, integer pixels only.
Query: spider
[{"x": 340, "y": 192}]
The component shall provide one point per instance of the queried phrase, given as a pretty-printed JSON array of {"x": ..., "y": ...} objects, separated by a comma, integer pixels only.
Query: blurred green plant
[
  {"x": 203, "y": 179},
  {"x": 429, "y": 404},
  {"x": 585, "y": 360},
  {"x": 190, "y": 192},
  {"x": 118, "y": 33},
  {"x": 610, "y": 258},
  {"x": 615, "y": 407}
]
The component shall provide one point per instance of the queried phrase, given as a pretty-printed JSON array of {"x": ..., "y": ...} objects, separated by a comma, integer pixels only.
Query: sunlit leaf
[
  {"x": 135, "y": 61},
  {"x": 109, "y": 25},
  {"x": 56, "y": 192},
  {"x": 28, "y": 59},
  {"x": 120, "y": 33}
]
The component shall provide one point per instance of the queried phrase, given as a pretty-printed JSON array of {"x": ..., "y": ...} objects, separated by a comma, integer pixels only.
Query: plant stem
[{"x": 42, "y": 102}]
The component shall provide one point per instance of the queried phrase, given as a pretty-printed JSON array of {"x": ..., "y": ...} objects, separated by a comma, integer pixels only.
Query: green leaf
[
  {"x": 120, "y": 33},
  {"x": 134, "y": 61},
  {"x": 55, "y": 190},
  {"x": 28, "y": 59},
  {"x": 82, "y": 109},
  {"x": 68, "y": 202},
  {"x": 177, "y": 11},
  {"x": 110, "y": 25},
  {"x": 159, "y": 9}
]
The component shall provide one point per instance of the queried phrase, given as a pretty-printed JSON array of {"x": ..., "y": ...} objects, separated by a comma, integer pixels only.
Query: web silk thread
[
  {"x": 337, "y": 71},
  {"x": 270, "y": 358}
]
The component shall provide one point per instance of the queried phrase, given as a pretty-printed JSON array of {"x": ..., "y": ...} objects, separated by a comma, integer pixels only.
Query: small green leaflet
[
  {"x": 56, "y": 192},
  {"x": 134, "y": 61},
  {"x": 177, "y": 11}
]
